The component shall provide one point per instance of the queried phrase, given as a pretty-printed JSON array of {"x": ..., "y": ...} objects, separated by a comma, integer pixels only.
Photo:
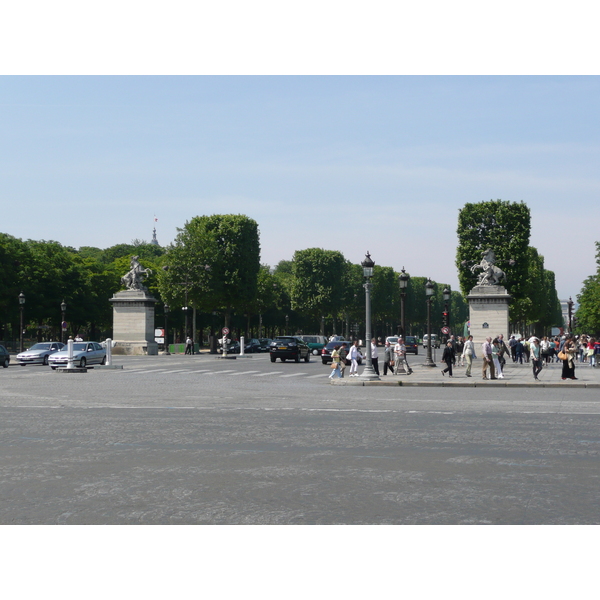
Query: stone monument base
[
  {"x": 488, "y": 313},
  {"x": 133, "y": 323}
]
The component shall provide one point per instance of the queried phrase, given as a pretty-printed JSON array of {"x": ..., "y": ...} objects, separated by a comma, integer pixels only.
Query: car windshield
[
  {"x": 410, "y": 339},
  {"x": 40, "y": 347},
  {"x": 79, "y": 346}
]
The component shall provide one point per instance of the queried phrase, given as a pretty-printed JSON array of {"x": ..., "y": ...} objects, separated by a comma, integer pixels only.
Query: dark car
[
  {"x": 288, "y": 346},
  {"x": 4, "y": 357},
  {"x": 412, "y": 344},
  {"x": 253, "y": 345},
  {"x": 328, "y": 349},
  {"x": 265, "y": 344}
]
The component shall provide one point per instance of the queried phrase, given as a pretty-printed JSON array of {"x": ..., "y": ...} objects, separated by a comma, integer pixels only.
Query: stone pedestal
[
  {"x": 488, "y": 313},
  {"x": 133, "y": 322}
]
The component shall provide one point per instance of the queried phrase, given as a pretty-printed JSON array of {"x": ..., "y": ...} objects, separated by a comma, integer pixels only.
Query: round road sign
[
  {"x": 445, "y": 330},
  {"x": 225, "y": 331}
]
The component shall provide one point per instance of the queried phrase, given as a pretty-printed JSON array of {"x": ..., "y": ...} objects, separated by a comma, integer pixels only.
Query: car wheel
[
  {"x": 5, "y": 363},
  {"x": 45, "y": 362},
  {"x": 53, "y": 368},
  {"x": 297, "y": 359},
  {"x": 283, "y": 360},
  {"x": 103, "y": 360},
  {"x": 324, "y": 362},
  {"x": 23, "y": 364},
  {"x": 316, "y": 352},
  {"x": 307, "y": 357},
  {"x": 82, "y": 362},
  {"x": 416, "y": 352},
  {"x": 273, "y": 359}
]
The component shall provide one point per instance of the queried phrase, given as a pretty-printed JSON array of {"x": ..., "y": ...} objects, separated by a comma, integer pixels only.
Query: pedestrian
[
  {"x": 512, "y": 344},
  {"x": 335, "y": 363},
  {"x": 536, "y": 357},
  {"x": 545, "y": 346},
  {"x": 590, "y": 351},
  {"x": 389, "y": 358},
  {"x": 468, "y": 354},
  {"x": 374, "y": 356},
  {"x": 569, "y": 351},
  {"x": 458, "y": 350},
  {"x": 449, "y": 357},
  {"x": 189, "y": 345},
  {"x": 400, "y": 354},
  {"x": 504, "y": 350},
  {"x": 496, "y": 350},
  {"x": 519, "y": 351},
  {"x": 526, "y": 350},
  {"x": 486, "y": 349},
  {"x": 354, "y": 353},
  {"x": 343, "y": 355}
]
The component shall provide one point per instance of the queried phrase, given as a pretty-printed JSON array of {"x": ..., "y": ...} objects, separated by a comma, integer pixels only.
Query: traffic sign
[
  {"x": 64, "y": 325},
  {"x": 445, "y": 330},
  {"x": 225, "y": 331}
]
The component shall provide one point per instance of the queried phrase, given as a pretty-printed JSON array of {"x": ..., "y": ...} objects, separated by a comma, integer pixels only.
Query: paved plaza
[{"x": 205, "y": 440}]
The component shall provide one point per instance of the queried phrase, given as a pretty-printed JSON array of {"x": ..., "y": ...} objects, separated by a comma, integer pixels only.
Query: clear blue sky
[{"x": 348, "y": 163}]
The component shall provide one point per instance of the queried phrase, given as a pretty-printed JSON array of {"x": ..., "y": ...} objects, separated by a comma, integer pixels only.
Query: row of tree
[{"x": 213, "y": 266}]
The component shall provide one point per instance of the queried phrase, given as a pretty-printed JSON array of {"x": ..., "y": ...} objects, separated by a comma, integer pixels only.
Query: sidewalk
[{"x": 515, "y": 375}]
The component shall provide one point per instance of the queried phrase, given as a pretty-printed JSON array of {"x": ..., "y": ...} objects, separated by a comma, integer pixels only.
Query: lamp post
[
  {"x": 570, "y": 304},
  {"x": 21, "y": 307},
  {"x": 63, "y": 310},
  {"x": 167, "y": 329},
  {"x": 429, "y": 289},
  {"x": 367, "y": 265},
  {"x": 403, "y": 282}
]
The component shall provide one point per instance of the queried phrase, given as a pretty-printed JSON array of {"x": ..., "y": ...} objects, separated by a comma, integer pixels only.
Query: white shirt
[
  {"x": 399, "y": 350},
  {"x": 374, "y": 350}
]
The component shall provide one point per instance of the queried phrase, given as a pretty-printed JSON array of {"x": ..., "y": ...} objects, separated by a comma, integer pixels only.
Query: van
[
  {"x": 435, "y": 342},
  {"x": 315, "y": 342}
]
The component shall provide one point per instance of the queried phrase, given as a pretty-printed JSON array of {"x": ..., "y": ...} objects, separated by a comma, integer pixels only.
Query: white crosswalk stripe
[
  {"x": 245, "y": 373},
  {"x": 265, "y": 374},
  {"x": 294, "y": 375}
]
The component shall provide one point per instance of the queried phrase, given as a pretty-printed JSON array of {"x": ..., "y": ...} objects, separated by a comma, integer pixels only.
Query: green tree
[
  {"x": 588, "y": 312},
  {"x": 317, "y": 283},
  {"x": 505, "y": 228},
  {"x": 216, "y": 259}
]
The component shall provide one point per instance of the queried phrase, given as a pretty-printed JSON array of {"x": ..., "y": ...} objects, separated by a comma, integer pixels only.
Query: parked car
[
  {"x": 411, "y": 343},
  {"x": 38, "y": 353},
  {"x": 289, "y": 346},
  {"x": 265, "y": 344},
  {"x": 4, "y": 357},
  {"x": 253, "y": 345},
  {"x": 328, "y": 349},
  {"x": 315, "y": 342},
  {"x": 435, "y": 342},
  {"x": 84, "y": 354}
]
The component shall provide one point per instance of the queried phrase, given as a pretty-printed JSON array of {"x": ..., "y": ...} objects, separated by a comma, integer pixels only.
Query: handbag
[
  {"x": 562, "y": 355},
  {"x": 334, "y": 365}
]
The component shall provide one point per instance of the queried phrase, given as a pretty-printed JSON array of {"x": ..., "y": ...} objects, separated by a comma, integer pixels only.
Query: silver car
[
  {"x": 84, "y": 354},
  {"x": 38, "y": 353}
]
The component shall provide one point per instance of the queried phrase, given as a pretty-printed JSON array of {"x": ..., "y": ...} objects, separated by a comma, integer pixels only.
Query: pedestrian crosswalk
[{"x": 165, "y": 371}]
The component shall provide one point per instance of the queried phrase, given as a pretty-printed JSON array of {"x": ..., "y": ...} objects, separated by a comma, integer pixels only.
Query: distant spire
[{"x": 154, "y": 240}]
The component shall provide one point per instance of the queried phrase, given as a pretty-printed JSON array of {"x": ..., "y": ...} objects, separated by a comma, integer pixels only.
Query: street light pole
[
  {"x": 403, "y": 281},
  {"x": 21, "y": 307},
  {"x": 63, "y": 310},
  {"x": 368, "y": 372},
  {"x": 429, "y": 289},
  {"x": 167, "y": 329},
  {"x": 570, "y": 305}
]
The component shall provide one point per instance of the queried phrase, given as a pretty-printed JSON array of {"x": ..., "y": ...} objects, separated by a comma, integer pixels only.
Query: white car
[
  {"x": 84, "y": 354},
  {"x": 38, "y": 353}
]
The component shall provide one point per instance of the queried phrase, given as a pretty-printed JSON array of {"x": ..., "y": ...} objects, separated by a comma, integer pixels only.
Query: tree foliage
[{"x": 588, "y": 312}]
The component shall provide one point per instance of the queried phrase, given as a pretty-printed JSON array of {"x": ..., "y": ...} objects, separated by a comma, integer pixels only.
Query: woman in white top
[
  {"x": 468, "y": 354},
  {"x": 353, "y": 355}
]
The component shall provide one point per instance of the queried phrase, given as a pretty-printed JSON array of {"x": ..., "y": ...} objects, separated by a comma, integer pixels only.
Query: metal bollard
[
  {"x": 70, "y": 354},
  {"x": 108, "y": 351},
  {"x": 241, "y": 345}
]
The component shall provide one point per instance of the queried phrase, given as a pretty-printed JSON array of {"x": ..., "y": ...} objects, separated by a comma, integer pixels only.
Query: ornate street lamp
[
  {"x": 167, "y": 329},
  {"x": 429, "y": 289},
  {"x": 21, "y": 307},
  {"x": 367, "y": 265},
  {"x": 403, "y": 282},
  {"x": 570, "y": 304},
  {"x": 446, "y": 294},
  {"x": 63, "y": 325}
]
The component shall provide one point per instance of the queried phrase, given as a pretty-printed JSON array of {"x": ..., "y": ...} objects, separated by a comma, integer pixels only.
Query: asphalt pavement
[{"x": 201, "y": 440}]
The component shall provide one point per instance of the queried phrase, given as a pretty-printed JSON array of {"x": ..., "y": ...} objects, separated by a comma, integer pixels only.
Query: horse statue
[
  {"x": 133, "y": 279},
  {"x": 490, "y": 273}
]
